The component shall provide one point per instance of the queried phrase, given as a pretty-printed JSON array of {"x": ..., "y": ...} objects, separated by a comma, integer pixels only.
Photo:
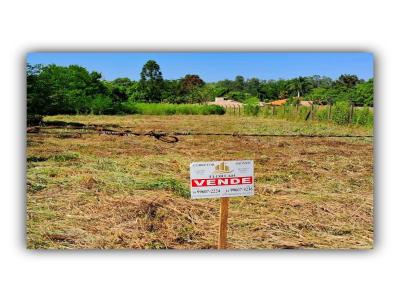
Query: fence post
[
  {"x": 223, "y": 223},
  {"x": 234, "y": 110},
  {"x": 351, "y": 112},
  {"x": 312, "y": 112}
]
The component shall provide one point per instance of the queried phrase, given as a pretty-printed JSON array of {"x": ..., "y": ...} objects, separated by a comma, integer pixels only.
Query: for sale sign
[{"x": 222, "y": 179}]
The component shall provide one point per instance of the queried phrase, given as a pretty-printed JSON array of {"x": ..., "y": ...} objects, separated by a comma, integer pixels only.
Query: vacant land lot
[{"x": 87, "y": 190}]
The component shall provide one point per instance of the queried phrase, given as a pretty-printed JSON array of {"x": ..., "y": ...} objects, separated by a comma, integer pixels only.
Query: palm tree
[{"x": 300, "y": 85}]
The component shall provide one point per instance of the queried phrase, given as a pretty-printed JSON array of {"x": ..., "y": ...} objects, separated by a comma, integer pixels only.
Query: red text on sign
[{"x": 229, "y": 181}]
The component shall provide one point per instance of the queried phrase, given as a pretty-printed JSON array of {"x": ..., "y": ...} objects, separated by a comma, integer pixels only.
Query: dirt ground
[{"x": 100, "y": 191}]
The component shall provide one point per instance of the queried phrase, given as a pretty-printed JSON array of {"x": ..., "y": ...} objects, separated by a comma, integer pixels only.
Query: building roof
[{"x": 277, "y": 102}]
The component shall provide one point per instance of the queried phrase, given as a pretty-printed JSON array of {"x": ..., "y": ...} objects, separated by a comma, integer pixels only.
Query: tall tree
[
  {"x": 151, "y": 81},
  {"x": 72, "y": 89},
  {"x": 348, "y": 80},
  {"x": 300, "y": 86},
  {"x": 119, "y": 90},
  {"x": 239, "y": 83},
  {"x": 253, "y": 86},
  {"x": 190, "y": 82},
  {"x": 363, "y": 93}
]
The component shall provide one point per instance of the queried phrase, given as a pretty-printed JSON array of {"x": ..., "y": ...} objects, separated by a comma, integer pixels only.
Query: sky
[{"x": 215, "y": 66}]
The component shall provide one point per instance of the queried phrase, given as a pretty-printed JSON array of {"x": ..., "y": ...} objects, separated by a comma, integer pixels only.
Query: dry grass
[{"x": 98, "y": 191}]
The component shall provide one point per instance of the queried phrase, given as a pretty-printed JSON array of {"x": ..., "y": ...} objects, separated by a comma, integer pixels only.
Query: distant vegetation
[
  {"x": 340, "y": 113},
  {"x": 171, "y": 109},
  {"x": 56, "y": 89}
]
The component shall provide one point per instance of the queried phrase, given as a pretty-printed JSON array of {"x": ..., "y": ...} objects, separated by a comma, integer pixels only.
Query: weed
[
  {"x": 63, "y": 157},
  {"x": 35, "y": 187},
  {"x": 251, "y": 110},
  {"x": 169, "y": 184},
  {"x": 155, "y": 245}
]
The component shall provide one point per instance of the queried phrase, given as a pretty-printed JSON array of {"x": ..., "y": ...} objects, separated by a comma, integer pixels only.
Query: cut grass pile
[{"x": 99, "y": 191}]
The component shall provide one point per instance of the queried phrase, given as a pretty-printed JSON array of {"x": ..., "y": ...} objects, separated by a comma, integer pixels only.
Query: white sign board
[{"x": 222, "y": 179}]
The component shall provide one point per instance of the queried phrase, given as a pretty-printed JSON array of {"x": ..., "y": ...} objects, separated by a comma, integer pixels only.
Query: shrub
[
  {"x": 215, "y": 109},
  {"x": 303, "y": 112},
  {"x": 252, "y": 110},
  {"x": 99, "y": 104},
  {"x": 340, "y": 113},
  {"x": 129, "y": 107},
  {"x": 34, "y": 119},
  {"x": 364, "y": 117},
  {"x": 322, "y": 114},
  {"x": 252, "y": 101}
]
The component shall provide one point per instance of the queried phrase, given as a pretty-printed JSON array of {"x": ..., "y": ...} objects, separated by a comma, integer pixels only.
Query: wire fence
[
  {"x": 339, "y": 113},
  {"x": 167, "y": 137}
]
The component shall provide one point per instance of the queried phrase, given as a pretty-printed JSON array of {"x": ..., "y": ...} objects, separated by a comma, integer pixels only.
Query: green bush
[
  {"x": 364, "y": 117},
  {"x": 340, "y": 113},
  {"x": 215, "y": 109},
  {"x": 252, "y": 101},
  {"x": 322, "y": 114},
  {"x": 99, "y": 104},
  {"x": 252, "y": 110},
  {"x": 129, "y": 107}
]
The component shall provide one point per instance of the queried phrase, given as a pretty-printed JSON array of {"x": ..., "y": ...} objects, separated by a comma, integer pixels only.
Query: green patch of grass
[
  {"x": 40, "y": 177},
  {"x": 155, "y": 245},
  {"x": 186, "y": 233},
  {"x": 33, "y": 187},
  {"x": 67, "y": 156},
  {"x": 169, "y": 184},
  {"x": 171, "y": 109},
  {"x": 38, "y": 215},
  {"x": 114, "y": 180},
  {"x": 105, "y": 164},
  {"x": 278, "y": 178}
]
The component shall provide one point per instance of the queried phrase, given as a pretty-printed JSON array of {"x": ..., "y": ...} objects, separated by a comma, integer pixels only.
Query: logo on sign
[{"x": 222, "y": 168}]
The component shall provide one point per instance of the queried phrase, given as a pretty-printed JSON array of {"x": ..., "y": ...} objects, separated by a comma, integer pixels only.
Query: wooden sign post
[
  {"x": 222, "y": 180},
  {"x": 223, "y": 223}
]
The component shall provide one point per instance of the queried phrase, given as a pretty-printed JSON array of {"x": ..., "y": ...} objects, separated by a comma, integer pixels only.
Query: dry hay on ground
[{"x": 97, "y": 191}]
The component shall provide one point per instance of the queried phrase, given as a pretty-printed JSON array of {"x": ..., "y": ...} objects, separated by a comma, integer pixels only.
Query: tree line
[{"x": 53, "y": 89}]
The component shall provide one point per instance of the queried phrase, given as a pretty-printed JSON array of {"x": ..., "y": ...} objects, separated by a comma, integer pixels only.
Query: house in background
[
  {"x": 277, "y": 102},
  {"x": 306, "y": 103},
  {"x": 226, "y": 103},
  {"x": 235, "y": 104},
  {"x": 284, "y": 101}
]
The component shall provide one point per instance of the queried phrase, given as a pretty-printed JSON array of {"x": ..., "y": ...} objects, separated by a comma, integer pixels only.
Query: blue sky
[{"x": 214, "y": 66}]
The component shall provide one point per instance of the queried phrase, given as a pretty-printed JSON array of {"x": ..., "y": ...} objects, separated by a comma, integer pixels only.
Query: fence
[{"x": 341, "y": 113}]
